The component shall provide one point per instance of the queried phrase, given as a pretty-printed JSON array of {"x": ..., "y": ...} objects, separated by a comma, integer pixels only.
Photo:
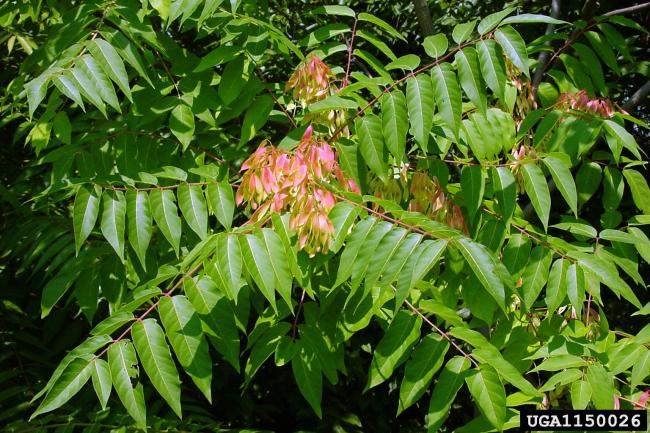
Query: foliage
[{"x": 436, "y": 224}]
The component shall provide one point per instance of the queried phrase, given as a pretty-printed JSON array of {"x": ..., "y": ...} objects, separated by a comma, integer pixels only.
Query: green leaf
[
  {"x": 592, "y": 65},
  {"x": 342, "y": 215},
  {"x": 532, "y": 18},
  {"x": 406, "y": 62},
  {"x": 334, "y": 10},
  {"x": 124, "y": 367},
  {"x": 367, "y": 252},
  {"x": 492, "y": 20},
  {"x": 36, "y": 90},
  {"x": 394, "y": 122},
  {"x": 113, "y": 220},
  {"x": 88, "y": 347},
  {"x": 255, "y": 118},
  {"x": 363, "y": 16},
  {"x": 641, "y": 369},
  {"x": 371, "y": 144},
  {"x": 102, "y": 381},
  {"x": 333, "y": 102},
  {"x": 183, "y": 328},
  {"x": 420, "y": 102},
  {"x": 228, "y": 265},
  {"x": 219, "y": 55},
  {"x": 139, "y": 223},
  {"x": 72, "y": 379},
  {"x": 162, "y": 7},
  {"x": 221, "y": 201},
  {"x": 181, "y": 123},
  {"x": 484, "y": 267},
  {"x": 604, "y": 51},
  {"x": 488, "y": 354},
  {"x": 232, "y": 80},
  {"x": 56, "y": 288},
  {"x": 588, "y": 180},
  {"x": 165, "y": 213},
  {"x": 259, "y": 266},
  {"x": 624, "y": 137},
  {"x": 463, "y": 31},
  {"x": 556, "y": 289},
  {"x": 128, "y": 51},
  {"x": 67, "y": 86},
  {"x": 505, "y": 190},
  {"x": 396, "y": 265},
  {"x": 84, "y": 214},
  {"x": 639, "y": 189},
  {"x": 307, "y": 373},
  {"x": 62, "y": 128},
  {"x": 613, "y": 188},
  {"x": 606, "y": 272},
  {"x": 564, "y": 181},
  {"x": 602, "y": 381},
  {"x": 493, "y": 67},
  {"x": 580, "y": 394},
  {"x": 514, "y": 47},
  {"x": 417, "y": 266},
  {"x": 99, "y": 79},
  {"x": 111, "y": 63},
  {"x": 194, "y": 208},
  {"x": 435, "y": 45},
  {"x": 394, "y": 347},
  {"x": 443, "y": 395},
  {"x": 472, "y": 187},
  {"x": 263, "y": 347},
  {"x": 575, "y": 286},
  {"x": 386, "y": 249},
  {"x": 425, "y": 361},
  {"x": 353, "y": 248},
  {"x": 149, "y": 341},
  {"x": 470, "y": 77},
  {"x": 536, "y": 274},
  {"x": 537, "y": 190},
  {"x": 275, "y": 248},
  {"x": 488, "y": 392},
  {"x": 447, "y": 95},
  {"x": 87, "y": 88}
]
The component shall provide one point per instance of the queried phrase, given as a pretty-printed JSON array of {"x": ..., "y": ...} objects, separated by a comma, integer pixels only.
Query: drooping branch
[
  {"x": 628, "y": 10},
  {"x": 423, "y": 15},
  {"x": 637, "y": 98},
  {"x": 544, "y": 55}
]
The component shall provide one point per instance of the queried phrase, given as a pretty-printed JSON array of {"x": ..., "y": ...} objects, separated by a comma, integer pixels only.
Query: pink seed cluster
[
  {"x": 276, "y": 180},
  {"x": 310, "y": 81},
  {"x": 582, "y": 102}
]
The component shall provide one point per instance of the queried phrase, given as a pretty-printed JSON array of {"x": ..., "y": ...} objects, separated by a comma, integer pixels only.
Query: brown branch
[
  {"x": 423, "y": 15},
  {"x": 637, "y": 98},
  {"x": 350, "y": 49},
  {"x": 627, "y": 10},
  {"x": 543, "y": 56},
  {"x": 439, "y": 331}
]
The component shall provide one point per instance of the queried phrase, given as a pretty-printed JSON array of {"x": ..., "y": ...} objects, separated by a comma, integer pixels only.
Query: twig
[
  {"x": 151, "y": 308},
  {"x": 628, "y": 10},
  {"x": 350, "y": 48},
  {"x": 543, "y": 56},
  {"x": 294, "y": 325},
  {"x": 637, "y": 97},
  {"x": 439, "y": 331}
]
